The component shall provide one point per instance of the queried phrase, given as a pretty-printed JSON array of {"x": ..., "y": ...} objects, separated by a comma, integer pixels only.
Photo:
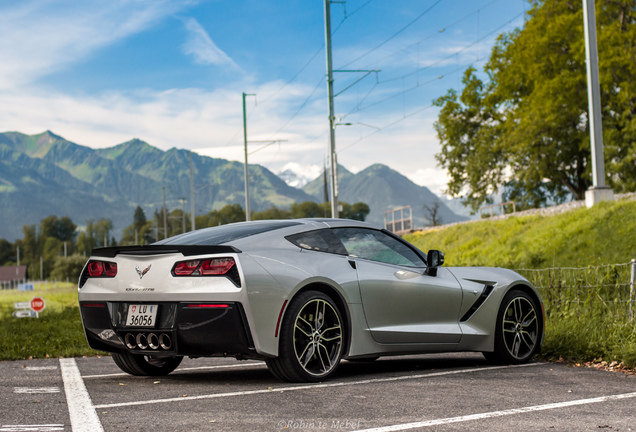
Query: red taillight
[
  {"x": 95, "y": 268},
  {"x": 110, "y": 269},
  {"x": 186, "y": 268},
  {"x": 208, "y": 267},
  {"x": 102, "y": 269},
  {"x": 216, "y": 266}
]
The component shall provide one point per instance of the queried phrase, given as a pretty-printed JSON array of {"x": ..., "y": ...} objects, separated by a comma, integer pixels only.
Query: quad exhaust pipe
[{"x": 152, "y": 341}]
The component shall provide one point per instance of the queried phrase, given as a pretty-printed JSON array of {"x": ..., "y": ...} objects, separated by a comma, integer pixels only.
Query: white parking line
[
  {"x": 80, "y": 408},
  {"x": 35, "y": 390},
  {"x": 32, "y": 428},
  {"x": 39, "y": 368},
  {"x": 487, "y": 415},
  {"x": 231, "y": 366},
  {"x": 311, "y": 386}
]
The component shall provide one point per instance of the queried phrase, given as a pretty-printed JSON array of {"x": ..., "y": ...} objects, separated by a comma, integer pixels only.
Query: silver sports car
[{"x": 301, "y": 295}]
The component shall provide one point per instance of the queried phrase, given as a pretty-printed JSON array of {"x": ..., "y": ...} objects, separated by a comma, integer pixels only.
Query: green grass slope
[
  {"x": 603, "y": 234},
  {"x": 583, "y": 323}
]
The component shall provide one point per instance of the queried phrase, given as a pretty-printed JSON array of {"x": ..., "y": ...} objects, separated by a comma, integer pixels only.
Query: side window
[
  {"x": 319, "y": 240},
  {"x": 377, "y": 246}
]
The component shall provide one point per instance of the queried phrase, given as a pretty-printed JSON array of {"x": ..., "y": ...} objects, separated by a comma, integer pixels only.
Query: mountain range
[{"x": 45, "y": 174}]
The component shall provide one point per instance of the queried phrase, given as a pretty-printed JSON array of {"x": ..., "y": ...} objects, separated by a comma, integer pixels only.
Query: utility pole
[
  {"x": 332, "y": 133},
  {"x": 183, "y": 217},
  {"x": 247, "y": 181},
  {"x": 599, "y": 191},
  {"x": 165, "y": 216},
  {"x": 191, "y": 193}
]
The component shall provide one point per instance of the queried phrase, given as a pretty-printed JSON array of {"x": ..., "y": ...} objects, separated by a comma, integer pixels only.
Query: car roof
[{"x": 241, "y": 231}]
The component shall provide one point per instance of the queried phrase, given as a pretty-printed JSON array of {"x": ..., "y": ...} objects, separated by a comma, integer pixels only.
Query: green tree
[
  {"x": 68, "y": 268},
  {"x": 271, "y": 213},
  {"x": 141, "y": 231},
  {"x": 228, "y": 214},
  {"x": 357, "y": 211},
  {"x": 139, "y": 218},
  {"x": 6, "y": 252},
  {"x": 96, "y": 234},
  {"x": 525, "y": 130},
  {"x": 307, "y": 209}
]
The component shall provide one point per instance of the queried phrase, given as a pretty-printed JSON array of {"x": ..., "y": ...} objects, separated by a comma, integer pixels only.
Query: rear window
[
  {"x": 323, "y": 240},
  {"x": 225, "y": 233}
]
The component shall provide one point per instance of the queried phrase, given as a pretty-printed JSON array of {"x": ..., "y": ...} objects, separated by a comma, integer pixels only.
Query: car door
[{"x": 402, "y": 304}]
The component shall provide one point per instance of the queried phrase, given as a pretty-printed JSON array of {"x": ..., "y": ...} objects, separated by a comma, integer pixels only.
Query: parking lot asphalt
[{"x": 442, "y": 392}]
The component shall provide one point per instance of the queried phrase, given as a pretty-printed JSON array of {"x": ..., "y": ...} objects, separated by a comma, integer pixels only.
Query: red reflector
[
  {"x": 95, "y": 268},
  {"x": 208, "y": 305},
  {"x": 186, "y": 268},
  {"x": 93, "y": 304},
  {"x": 216, "y": 266},
  {"x": 280, "y": 315}
]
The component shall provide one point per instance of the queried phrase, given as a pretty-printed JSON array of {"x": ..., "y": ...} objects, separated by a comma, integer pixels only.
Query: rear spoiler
[{"x": 185, "y": 250}]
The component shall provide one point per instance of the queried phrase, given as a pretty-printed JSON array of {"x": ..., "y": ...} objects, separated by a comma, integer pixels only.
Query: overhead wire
[
  {"x": 301, "y": 70},
  {"x": 392, "y": 36},
  {"x": 443, "y": 29},
  {"x": 418, "y": 70}
]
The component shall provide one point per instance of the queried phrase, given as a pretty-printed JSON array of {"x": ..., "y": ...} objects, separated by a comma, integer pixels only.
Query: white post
[
  {"x": 632, "y": 293},
  {"x": 599, "y": 191}
]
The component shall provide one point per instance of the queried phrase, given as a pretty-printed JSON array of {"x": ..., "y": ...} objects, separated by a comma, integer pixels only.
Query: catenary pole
[
  {"x": 247, "y": 182},
  {"x": 191, "y": 193},
  {"x": 165, "y": 216},
  {"x": 333, "y": 161},
  {"x": 599, "y": 191}
]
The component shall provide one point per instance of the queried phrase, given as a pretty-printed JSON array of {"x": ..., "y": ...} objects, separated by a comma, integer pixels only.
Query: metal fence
[{"x": 605, "y": 290}]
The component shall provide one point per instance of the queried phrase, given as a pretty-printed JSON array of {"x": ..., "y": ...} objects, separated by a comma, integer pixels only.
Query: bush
[{"x": 68, "y": 268}]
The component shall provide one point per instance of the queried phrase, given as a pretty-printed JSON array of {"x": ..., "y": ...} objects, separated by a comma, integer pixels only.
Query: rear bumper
[{"x": 184, "y": 329}]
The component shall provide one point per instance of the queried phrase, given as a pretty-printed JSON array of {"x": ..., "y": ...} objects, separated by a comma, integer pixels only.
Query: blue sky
[{"x": 172, "y": 73}]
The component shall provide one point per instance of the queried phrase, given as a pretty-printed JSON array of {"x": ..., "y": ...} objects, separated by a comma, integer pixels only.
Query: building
[{"x": 11, "y": 276}]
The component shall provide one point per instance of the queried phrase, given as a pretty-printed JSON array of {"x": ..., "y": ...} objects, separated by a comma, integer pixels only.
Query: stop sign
[{"x": 37, "y": 304}]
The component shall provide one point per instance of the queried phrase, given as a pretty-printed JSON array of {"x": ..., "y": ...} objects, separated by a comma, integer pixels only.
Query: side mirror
[{"x": 434, "y": 260}]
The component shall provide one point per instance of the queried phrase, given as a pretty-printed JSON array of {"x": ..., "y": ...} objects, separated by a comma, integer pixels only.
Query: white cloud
[
  {"x": 209, "y": 122},
  {"x": 200, "y": 46},
  {"x": 435, "y": 179},
  {"x": 38, "y": 37}
]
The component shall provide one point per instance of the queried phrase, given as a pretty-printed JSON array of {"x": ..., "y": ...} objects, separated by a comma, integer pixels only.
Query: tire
[
  {"x": 311, "y": 340},
  {"x": 141, "y": 365},
  {"x": 518, "y": 330}
]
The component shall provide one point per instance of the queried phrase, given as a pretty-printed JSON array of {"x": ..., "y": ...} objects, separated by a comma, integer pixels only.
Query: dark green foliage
[
  {"x": 62, "y": 229},
  {"x": 228, "y": 214},
  {"x": 525, "y": 129},
  {"x": 68, "y": 268},
  {"x": 7, "y": 254},
  {"x": 357, "y": 211}
]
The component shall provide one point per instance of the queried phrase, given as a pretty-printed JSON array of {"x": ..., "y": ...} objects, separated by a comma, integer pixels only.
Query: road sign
[
  {"x": 37, "y": 304},
  {"x": 25, "y": 314},
  {"x": 21, "y": 305}
]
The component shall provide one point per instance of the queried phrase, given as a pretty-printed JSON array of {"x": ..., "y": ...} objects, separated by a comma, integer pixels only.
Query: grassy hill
[
  {"x": 603, "y": 234},
  {"x": 587, "y": 318}
]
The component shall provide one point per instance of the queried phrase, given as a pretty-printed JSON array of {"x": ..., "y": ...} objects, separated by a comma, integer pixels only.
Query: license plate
[{"x": 141, "y": 315}]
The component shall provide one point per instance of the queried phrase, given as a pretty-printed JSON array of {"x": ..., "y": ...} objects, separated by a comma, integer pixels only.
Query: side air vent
[{"x": 482, "y": 298}]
